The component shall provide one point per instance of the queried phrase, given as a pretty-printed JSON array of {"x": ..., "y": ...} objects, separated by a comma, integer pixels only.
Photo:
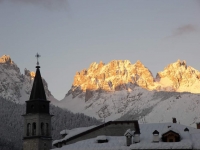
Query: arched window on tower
[
  {"x": 28, "y": 129},
  {"x": 42, "y": 128},
  {"x": 47, "y": 129},
  {"x": 34, "y": 128}
]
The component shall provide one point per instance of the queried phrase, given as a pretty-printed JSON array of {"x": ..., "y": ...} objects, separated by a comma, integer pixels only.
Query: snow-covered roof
[
  {"x": 73, "y": 132},
  {"x": 64, "y": 132},
  {"x": 101, "y": 137},
  {"x": 189, "y": 140},
  {"x": 155, "y": 132},
  {"x": 129, "y": 132},
  {"x": 115, "y": 143},
  {"x": 165, "y": 130},
  {"x": 146, "y": 136}
]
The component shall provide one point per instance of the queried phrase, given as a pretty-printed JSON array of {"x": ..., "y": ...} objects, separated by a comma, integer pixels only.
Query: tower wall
[
  {"x": 38, "y": 138},
  {"x": 38, "y": 119},
  {"x": 37, "y": 144}
]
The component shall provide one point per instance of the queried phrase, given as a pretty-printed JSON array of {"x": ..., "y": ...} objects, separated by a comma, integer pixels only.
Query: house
[{"x": 152, "y": 136}]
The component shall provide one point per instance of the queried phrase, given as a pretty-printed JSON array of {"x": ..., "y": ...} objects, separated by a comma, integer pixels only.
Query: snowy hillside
[
  {"x": 14, "y": 85},
  {"x": 138, "y": 103},
  {"x": 120, "y": 90}
]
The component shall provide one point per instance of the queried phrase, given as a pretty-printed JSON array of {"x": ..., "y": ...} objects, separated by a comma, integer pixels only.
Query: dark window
[
  {"x": 102, "y": 141},
  {"x": 28, "y": 129},
  {"x": 47, "y": 129},
  {"x": 34, "y": 128},
  {"x": 171, "y": 140},
  {"x": 32, "y": 106},
  {"x": 45, "y": 146},
  {"x": 42, "y": 128}
]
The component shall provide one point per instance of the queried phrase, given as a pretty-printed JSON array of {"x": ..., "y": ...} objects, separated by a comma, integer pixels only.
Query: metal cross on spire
[{"x": 37, "y": 56}]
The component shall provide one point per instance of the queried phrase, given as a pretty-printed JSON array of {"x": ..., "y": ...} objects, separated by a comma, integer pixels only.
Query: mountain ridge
[
  {"x": 113, "y": 76},
  {"x": 118, "y": 90},
  {"x": 121, "y": 90},
  {"x": 14, "y": 85}
]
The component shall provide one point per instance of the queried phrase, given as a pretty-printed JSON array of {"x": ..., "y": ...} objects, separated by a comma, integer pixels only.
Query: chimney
[
  {"x": 136, "y": 138},
  {"x": 198, "y": 125},
  {"x": 155, "y": 136},
  {"x": 174, "y": 120},
  {"x": 129, "y": 135},
  {"x": 63, "y": 133}
]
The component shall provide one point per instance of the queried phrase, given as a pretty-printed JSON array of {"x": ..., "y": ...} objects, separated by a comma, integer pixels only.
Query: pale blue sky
[{"x": 72, "y": 34}]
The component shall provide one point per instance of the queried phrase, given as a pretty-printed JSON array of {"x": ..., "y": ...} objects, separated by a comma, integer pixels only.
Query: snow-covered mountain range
[
  {"x": 121, "y": 90},
  {"x": 118, "y": 90},
  {"x": 14, "y": 85}
]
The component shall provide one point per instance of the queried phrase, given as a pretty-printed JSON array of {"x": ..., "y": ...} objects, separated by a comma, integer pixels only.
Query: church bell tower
[{"x": 37, "y": 120}]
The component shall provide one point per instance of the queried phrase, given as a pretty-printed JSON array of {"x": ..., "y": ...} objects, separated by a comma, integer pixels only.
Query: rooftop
[{"x": 189, "y": 140}]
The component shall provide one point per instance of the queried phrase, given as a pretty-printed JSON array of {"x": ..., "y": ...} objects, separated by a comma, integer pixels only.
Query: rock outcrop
[
  {"x": 121, "y": 74},
  {"x": 113, "y": 76},
  {"x": 180, "y": 77}
]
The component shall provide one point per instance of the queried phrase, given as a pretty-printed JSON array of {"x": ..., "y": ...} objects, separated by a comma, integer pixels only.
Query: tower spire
[{"x": 38, "y": 92}]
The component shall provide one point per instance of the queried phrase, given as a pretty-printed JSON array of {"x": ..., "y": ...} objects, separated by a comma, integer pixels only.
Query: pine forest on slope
[{"x": 12, "y": 123}]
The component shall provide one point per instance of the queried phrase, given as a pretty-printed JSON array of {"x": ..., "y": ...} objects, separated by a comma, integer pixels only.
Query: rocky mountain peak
[
  {"x": 7, "y": 63},
  {"x": 114, "y": 76},
  {"x": 139, "y": 64},
  {"x": 177, "y": 65},
  {"x": 5, "y": 59},
  {"x": 181, "y": 76},
  {"x": 14, "y": 85},
  {"x": 178, "y": 69},
  {"x": 121, "y": 74},
  {"x": 30, "y": 74}
]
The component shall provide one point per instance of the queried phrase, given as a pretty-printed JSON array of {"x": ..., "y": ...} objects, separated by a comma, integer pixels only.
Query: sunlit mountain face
[
  {"x": 121, "y": 90},
  {"x": 119, "y": 74}
]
